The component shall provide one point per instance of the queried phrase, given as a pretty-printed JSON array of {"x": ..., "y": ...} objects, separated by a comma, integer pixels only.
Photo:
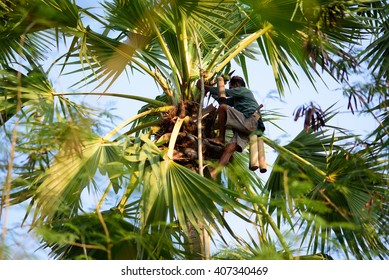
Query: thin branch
[
  {"x": 199, "y": 115},
  {"x": 205, "y": 235},
  {"x": 5, "y": 196},
  {"x": 107, "y": 235}
]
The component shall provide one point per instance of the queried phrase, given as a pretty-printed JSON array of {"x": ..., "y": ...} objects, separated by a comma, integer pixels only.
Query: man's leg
[
  {"x": 225, "y": 158},
  {"x": 222, "y": 119}
]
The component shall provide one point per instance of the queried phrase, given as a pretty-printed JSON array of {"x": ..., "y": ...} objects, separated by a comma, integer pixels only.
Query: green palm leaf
[
  {"x": 106, "y": 236},
  {"x": 330, "y": 190},
  {"x": 172, "y": 192},
  {"x": 377, "y": 52},
  {"x": 26, "y": 25},
  {"x": 60, "y": 188}
]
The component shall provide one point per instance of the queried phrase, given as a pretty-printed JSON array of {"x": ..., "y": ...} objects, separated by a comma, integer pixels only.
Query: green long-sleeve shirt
[{"x": 241, "y": 98}]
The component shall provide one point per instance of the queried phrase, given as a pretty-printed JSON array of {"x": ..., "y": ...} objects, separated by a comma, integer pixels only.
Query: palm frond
[
  {"x": 60, "y": 188},
  {"x": 84, "y": 237},
  {"x": 38, "y": 103},
  {"x": 173, "y": 192},
  {"x": 338, "y": 188},
  {"x": 377, "y": 52},
  {"x": 27, "y": 32}
]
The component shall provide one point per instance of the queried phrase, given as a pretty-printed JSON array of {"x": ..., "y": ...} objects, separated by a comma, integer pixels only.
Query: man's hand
[
  {"x": 206, "y": 86},
  {"x": 198, "y": 84}
]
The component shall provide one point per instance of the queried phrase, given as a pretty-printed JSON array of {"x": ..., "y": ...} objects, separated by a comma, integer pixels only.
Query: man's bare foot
[
  {"x": 210, "y": 172},
  {"x": 213, "y": 174}
]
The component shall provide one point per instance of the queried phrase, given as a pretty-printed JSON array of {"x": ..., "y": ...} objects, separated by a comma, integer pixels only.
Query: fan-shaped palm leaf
[
  {"x": 26, "y": 24},
  {"x": 172, "y": 192},
  {"x": 60, "y": 187},
  {"x": 377, "y": 52},
  {"x": 107, "y": 235},
  {"x": 330, "y": 188}
]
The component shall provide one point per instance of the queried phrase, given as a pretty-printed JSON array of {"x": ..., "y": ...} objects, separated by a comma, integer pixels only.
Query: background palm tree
[{"x": 150, "y": 161}]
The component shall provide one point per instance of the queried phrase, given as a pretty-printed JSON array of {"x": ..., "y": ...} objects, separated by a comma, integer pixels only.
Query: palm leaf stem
[
  {"x": 162, "y": 43},
  {"x": 225, "y": 44},
  {"x": 244, "y": 43},
  {"x": 277, "y": 231},
  {"x": 6, "y": 194},
  {"x": 173, "y": 137},
  {"x": 183, "y": 48},
  {"x": 122, "y": 204},
  {"x": 262, "y": 235},
  {"x": 281, "y": 149},
  {"x": 142, "y": 126},
  {"x": 119, "y": 95},
  {"x": 105, "y": 194},
  {"x": 130, "y": 120}
]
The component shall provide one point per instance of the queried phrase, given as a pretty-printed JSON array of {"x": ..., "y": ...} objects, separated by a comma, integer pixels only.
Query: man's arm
[
  {"x": 237, "y": 92},
  {"x": 206, "y": 87},
  {"x": 214, "y": 92}
]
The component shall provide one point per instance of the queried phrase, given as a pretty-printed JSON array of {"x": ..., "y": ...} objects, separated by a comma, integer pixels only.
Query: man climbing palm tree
[{"x": 239, "y": 111}]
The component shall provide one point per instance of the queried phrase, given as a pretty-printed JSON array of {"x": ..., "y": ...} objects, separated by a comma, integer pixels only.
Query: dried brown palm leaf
[{"x": 314, "y": 117}]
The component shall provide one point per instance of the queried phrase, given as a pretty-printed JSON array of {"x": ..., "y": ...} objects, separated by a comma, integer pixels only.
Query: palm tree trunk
[
  {"x": 206, "y": 244},
  {"x": 198, "y": 243}
]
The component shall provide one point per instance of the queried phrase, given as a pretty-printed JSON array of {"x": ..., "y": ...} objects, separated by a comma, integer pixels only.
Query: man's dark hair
[{"x": 237, "y": 80}]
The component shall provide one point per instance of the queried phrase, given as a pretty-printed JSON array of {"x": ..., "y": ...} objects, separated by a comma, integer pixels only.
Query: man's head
[{"x": 237, "y": 81}]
